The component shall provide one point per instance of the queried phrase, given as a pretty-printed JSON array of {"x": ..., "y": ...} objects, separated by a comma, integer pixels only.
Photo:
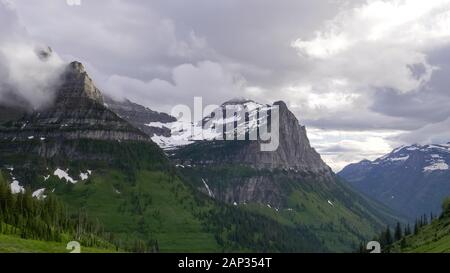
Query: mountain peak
[
  {"x": 77, "y": 85},
  {"x": 77, "y": 67},
  {"x": 238, "y": 100},
  {"x": 281, "y": 104}
]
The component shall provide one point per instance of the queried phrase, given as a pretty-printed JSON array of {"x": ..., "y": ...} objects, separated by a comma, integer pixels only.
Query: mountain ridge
[{"x": 411, "y": 179}]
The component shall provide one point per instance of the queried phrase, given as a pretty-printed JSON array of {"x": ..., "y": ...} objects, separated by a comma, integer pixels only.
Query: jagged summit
[
  {"x": 77, "y": 66},
  {"x": 77, "y": 86},
  {"x": 281, "y": 104}
]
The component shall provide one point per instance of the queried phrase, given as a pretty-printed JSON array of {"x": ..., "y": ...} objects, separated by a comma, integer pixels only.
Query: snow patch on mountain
[
  {"x": 210, "y": 128},
  {"x": 398, "y": 149},
  {"x": 39, "y": 194},
  {"x": 158, "y": 125},
  {"x": 210, "y": 193},
  {"x": 64, "y": 175},
  {"x": 85, "y": 176},
  {"x": 16, "y": 187},
  {"x": 401, "y": 158},
  {"x": 439, "y": 165}
]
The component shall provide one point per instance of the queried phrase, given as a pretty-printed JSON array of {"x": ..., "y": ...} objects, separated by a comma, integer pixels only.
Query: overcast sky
[{"x": 363, "y": 76}]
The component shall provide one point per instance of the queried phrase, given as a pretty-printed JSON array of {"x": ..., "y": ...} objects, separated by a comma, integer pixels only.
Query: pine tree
[
  {"x": 407, "y": 230},
  {"x": 361, "y": 248},
  {"x": 403, "y": 243},
  {"x": 398, "y": 232},
  {"x": 388, "y": 235}
]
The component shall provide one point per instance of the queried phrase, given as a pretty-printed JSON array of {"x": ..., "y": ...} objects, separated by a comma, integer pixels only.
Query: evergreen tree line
[
  {"x": 389, "y": 236},
  {"x": 244, "y": 230},
  {"x": 47, "y": 219}
]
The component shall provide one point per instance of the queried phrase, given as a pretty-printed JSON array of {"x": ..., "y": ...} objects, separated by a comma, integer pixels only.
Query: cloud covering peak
[{"x": 29, "y": 71}]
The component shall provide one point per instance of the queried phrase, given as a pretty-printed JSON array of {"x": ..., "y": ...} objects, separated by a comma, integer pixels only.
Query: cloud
[
  {"x": 127, "y": 38},
  {"x": 29, "y": 71},
  {"x": 340, "y": 148},
  {"x": 206, "y": 79},
  {"x": 377, "y": 66},
  {"x": 374, "y": 71},
  {"x": 431, "y": 133},
  {"x": 361, "y": 43}
]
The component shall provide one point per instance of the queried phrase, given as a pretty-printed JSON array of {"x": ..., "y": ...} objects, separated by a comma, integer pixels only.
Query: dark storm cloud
[
  {"x": 421, "y": 107},
  {"x": 363, "y": 121},
  {"x": 145, "y": 40}
]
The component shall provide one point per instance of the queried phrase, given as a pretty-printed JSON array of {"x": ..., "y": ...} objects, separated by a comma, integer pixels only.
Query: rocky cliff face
[
  {"x": 77, "y": 113},
  {"x": 260, "y": 176},
  {"x": 294, "y": 151}
]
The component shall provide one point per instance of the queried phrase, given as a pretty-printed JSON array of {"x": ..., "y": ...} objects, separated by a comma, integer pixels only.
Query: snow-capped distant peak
[
  {"x": 398, "y": 149},
  {"x": 431, "y": 158}
]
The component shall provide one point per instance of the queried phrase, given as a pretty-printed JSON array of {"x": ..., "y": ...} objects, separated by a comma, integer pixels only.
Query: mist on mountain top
[{"x": 29, "y": 70}]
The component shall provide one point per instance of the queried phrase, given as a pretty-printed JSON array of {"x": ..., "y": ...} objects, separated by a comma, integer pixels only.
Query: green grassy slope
[
  {"x": 154, "y": 207},
  {"x": 17, "y": 238},
  {"x": 432, "y": 238},
  {"x": 15, "y": 244},
  {"x": 333, "y": 213},
  {"x": 160, "y": 208}
]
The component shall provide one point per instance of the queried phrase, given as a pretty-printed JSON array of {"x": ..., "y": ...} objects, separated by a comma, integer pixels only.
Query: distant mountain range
[{"x": 411, "y": 179}]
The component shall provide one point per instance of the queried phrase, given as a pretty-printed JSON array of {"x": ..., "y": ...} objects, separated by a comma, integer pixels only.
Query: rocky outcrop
[
  {"x": 141, "y": 117},
  {"x": 294, "y": 150},
  {"x": 267, "y": 188}
]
